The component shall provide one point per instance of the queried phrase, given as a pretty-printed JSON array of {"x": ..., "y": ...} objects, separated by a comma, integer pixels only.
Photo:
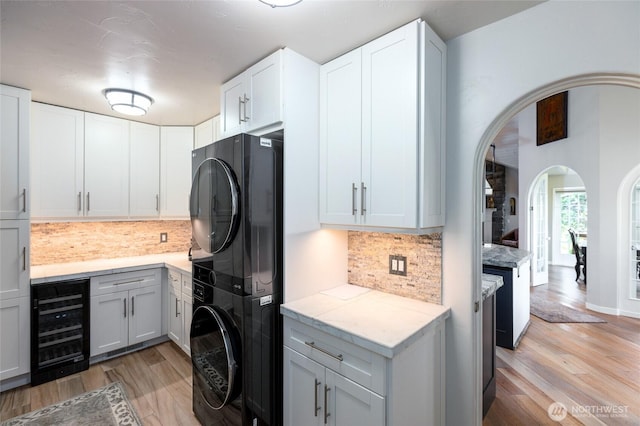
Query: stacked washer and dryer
[{"x": 236, "y": 331}]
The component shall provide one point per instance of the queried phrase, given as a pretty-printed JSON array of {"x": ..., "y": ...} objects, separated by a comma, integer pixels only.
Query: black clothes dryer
[{"x": 236, "y": 332}]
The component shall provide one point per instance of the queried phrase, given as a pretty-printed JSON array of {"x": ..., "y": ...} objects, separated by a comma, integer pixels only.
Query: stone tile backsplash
[
  {"x": 79, "y": 241},
  {"x": 369, "y": 264}
]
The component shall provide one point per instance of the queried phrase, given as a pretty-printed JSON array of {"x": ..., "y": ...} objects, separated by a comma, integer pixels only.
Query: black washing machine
[{"x": 236, "y": 332}]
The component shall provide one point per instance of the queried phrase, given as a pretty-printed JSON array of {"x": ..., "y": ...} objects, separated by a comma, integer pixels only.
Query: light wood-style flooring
[
  {"x": 157, "y": 381},
  {"x": 579, "y": 365},
  {"x": 593, "y": 369}
]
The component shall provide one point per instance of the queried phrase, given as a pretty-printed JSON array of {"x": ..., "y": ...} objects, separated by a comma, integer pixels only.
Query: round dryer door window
[
  {"x": 214, "y": 205},
  {"x": 215, "y": 356}
]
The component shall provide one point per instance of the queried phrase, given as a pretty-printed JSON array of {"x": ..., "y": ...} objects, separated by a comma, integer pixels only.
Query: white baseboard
[{"x": 603, "y": 309}]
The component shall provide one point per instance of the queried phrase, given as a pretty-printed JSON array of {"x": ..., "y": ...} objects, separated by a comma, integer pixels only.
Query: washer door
[
  {"x": 214, "y": 205},
  {"x": 215, "y": 356}
]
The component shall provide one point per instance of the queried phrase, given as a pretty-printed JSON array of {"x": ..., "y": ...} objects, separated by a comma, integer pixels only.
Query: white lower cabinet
[
  {"x": 180, "y": 309},
  {"x": 125, "y": 309},
  {"x": 331, "y": 381},
  {"x": 316, "y": 395},
  {"x": 14, "y": 335}
]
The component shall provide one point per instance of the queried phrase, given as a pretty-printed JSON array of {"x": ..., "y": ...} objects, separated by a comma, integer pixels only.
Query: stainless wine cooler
[{"x": 59, "y": 329}]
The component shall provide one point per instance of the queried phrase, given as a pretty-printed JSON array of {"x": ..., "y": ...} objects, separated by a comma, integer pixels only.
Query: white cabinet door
[
  {"x": 106, "y": 168},
  {"x": 233, "y": 106},
  {"x": 176, "y": 144},
  {"x": 175, "y": 331},
  {"x": 14, "y": 259},
  {"x": 390, "y": 75},
  {"x": 303, "y": 390},
  {"x": 57, "y": 161},
  {"x": 144, "y": 189},
  {"x": 14, "y": 162},
  {"x": 186, "y": 312},
  {"x": 14, "y": 335},
  {"x": 109, "y": 322},
  {"x": 253, "y": 100},
  {"x": 348, "y": 403},
  {"x": 145, "y": 320},
  {"x": 340, "y": 140},
  {"x": 264, "y": 103}
]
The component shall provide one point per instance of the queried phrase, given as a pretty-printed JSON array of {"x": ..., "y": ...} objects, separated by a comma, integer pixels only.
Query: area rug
[
  {"x": 557, "y": 312},
  {"x": 105, "y": 406}
]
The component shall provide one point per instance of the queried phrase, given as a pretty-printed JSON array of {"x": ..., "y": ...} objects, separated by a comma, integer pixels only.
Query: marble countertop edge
[
  {"x": 348, "y": 331},
  {"x": 42, "y": 274}
]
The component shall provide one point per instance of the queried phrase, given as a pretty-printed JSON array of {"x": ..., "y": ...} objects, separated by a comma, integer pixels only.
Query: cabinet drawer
[
  {"x": 106, "y": 284},
  {"x": 358, "y": 364}
]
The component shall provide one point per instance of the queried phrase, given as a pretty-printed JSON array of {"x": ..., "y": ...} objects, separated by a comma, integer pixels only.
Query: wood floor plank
[
  {"x": 70, "y": 386},
  {"x": 94, "y": 378}
]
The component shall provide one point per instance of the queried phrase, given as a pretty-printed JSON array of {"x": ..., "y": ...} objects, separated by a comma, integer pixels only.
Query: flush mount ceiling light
[
  {"x": 280, "y": 3},
  {"x": 127, "y": 101}
]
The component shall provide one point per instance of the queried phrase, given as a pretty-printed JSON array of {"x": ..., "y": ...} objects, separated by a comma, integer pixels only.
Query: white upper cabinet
[
  {"x": 106, "y": 166},
  {"x": 381, "y": 134},
  {"x": 14, "y": 162},
  {"x": 253, "y": 99},
  {"x": 144, "y": 172},
  {"x": 341, "y": 139},
  {"x": 176, "y": 144},
  {"x": 57, "y": 161},
  {"x": 207, "y": 132}
]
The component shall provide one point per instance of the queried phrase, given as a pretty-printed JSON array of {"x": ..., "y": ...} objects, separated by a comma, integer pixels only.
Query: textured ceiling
[{"x": 179, "y": 52}]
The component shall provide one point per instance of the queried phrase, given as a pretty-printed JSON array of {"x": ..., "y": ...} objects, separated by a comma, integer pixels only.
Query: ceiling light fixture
[
  {"x": 127, "y": 101},
  {"x": 280, "y": 3}
]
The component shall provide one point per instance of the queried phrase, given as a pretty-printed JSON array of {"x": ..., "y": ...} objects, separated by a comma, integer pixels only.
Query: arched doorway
[{"x": 508, "y": 114}]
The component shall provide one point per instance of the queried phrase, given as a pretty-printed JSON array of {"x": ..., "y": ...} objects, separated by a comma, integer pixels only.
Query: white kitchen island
[{"x": 359, "y": 356}]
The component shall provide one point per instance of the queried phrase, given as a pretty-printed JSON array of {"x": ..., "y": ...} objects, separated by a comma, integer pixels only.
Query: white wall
[
  {"x": 602, "y": 147},
  {"x": 578, "y": 151},
  {"x": 494, "y": 72}
]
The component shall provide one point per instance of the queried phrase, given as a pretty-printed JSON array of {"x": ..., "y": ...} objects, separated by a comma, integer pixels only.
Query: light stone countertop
[
  {"x": 380, "y": 322},
  {"x": 490, "y": 284},
  {"x": 79, "y": 270},
  {"x": 503, "y": 256}
]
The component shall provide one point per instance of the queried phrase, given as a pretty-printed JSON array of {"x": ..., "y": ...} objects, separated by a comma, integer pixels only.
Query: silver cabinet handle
[
  {"x": 125, "y": 306},
  {"x": 24, "y": 200},
  {"x": 133, "y": 306},
  {"x": 177, "y": 313},
  {"x": 354, "y": 191},
  {"x": 315, "y": 398},
  {"x": 246, "y": 117},
  {"x": 157, "y": 202},
  {"x": 240, "y": 102},
  {"x": 88, "y": 201},
  {"x": 79, "y": 201},
  {"x": 312, "y": 345},
  {"x": 363, "y": 199},
  {"x": 24, "y": 258},
  {"x": 326, "y": 408}
]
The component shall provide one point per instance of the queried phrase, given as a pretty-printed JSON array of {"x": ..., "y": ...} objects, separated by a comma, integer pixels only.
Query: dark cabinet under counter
[{"x": 59, "y": 329}]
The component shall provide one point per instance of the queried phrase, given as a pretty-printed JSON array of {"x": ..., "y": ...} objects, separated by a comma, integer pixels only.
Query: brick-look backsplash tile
[
  {"x": 369, "y": 264},
  {"x": 78, "y": 241}
]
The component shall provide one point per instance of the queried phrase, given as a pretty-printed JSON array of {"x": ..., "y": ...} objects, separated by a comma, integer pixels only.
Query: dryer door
[
  {"x": 215, "y": 356},
  {"x": 214, "y": 205}
]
